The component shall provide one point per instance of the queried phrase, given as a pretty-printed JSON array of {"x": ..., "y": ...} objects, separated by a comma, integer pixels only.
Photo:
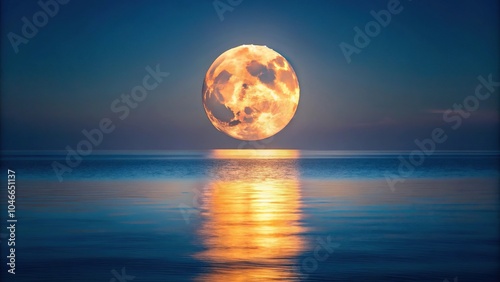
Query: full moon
[{"x": 250, "y": 92}]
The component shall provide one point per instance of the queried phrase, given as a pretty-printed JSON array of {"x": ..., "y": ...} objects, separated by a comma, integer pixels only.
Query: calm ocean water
[{"x": 255, "y": 216}]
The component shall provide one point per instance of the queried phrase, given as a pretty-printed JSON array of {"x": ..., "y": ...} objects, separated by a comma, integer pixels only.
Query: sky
[{"x": 395, "y": 89}]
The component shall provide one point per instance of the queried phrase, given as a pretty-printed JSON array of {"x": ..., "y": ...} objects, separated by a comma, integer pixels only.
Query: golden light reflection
[
  {"x": 251, "y": 227},
  {"x": 255, "y": 154}
]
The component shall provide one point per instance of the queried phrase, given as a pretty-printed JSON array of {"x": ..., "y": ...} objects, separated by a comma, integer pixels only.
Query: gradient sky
[{"x": 393, "y": 92}]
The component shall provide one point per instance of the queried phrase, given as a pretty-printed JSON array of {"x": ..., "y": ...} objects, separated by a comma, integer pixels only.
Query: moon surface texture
[{"x": 250, "y": 92}]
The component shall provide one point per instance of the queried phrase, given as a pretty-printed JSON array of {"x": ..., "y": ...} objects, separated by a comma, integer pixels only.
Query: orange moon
[{"x": 250, "y": 92}]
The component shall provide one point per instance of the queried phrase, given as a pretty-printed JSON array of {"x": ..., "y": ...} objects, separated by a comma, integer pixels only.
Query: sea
[{"x": 250, "y": 215}]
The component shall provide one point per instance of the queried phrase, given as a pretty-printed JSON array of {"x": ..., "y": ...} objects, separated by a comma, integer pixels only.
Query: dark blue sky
[{"x": 65, "y": 78}]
